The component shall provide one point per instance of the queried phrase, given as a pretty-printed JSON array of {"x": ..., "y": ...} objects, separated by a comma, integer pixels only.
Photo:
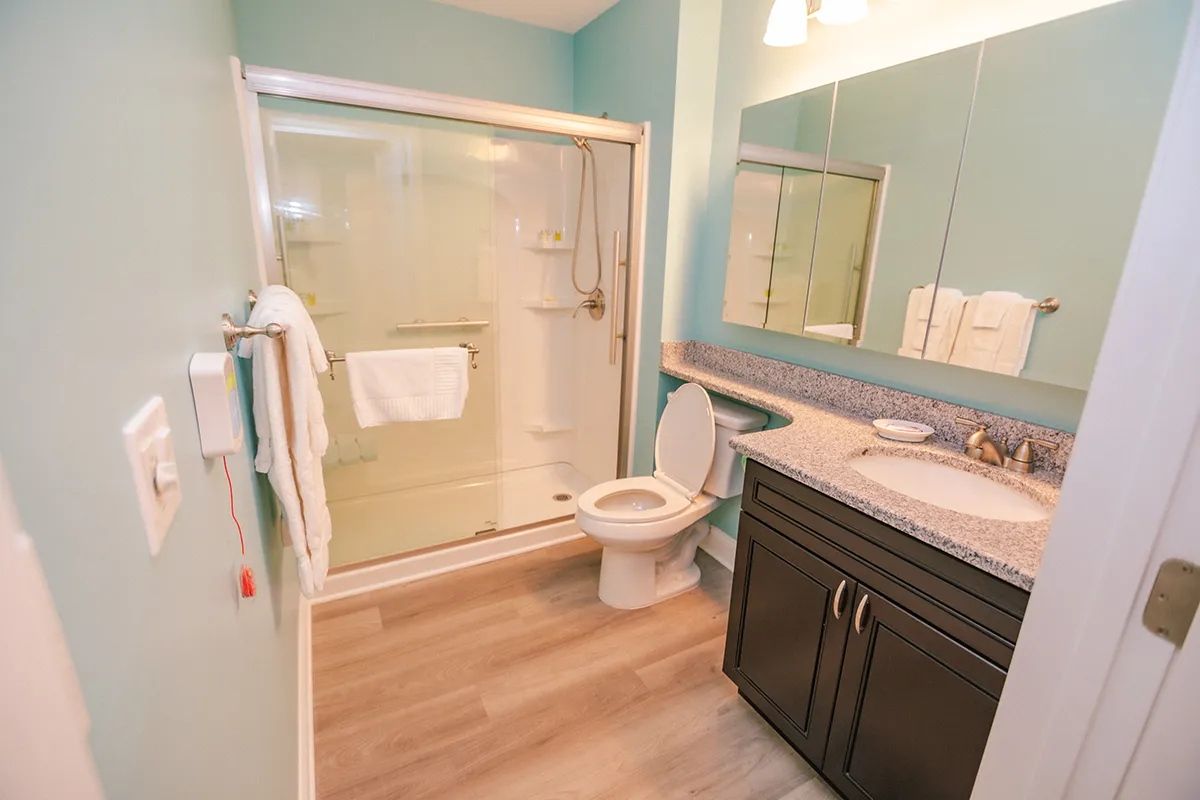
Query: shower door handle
[
  {"x": 281, "y": 249},
  {"x": 614, "y": 335}
]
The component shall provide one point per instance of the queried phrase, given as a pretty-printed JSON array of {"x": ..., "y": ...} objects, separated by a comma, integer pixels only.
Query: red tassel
[{"x": 248, "y": 588}]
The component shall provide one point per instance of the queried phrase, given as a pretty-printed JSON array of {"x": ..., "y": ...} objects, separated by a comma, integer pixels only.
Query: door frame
[
  {"x": 254, "y": 81},
  {"x": 1085, "y": 674},
  {"x": 45, "y": 732}
]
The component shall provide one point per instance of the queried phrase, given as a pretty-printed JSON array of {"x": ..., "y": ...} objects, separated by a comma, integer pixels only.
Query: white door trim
[
  {"x": 1052, "y": 735},
  {"x": 44, "y": 737},
  {"x": 283, "y": 83}
]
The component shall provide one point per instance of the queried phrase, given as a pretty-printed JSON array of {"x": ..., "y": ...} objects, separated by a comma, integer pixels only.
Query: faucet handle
[
  {"x": 973, "y": 447},
  {"x": 1022, "y": 458}
]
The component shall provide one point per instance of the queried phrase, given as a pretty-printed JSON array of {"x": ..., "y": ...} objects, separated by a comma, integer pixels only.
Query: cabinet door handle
[
  {"x": 837, "y": 600},
  {"x": 858, "y": 615}
]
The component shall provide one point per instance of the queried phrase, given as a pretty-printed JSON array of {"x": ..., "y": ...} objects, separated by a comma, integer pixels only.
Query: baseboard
[
  {"x": 720, "y": 545},
  {"x": 307, "y": 745},
  {"x": 426, "y": 565}
]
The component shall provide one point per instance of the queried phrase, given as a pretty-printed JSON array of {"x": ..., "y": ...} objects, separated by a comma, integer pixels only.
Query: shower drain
[{"x": 562, "y": 497}]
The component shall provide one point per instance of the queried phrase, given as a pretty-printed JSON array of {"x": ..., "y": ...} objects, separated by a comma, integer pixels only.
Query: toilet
[{"x": 647, "y": 525}]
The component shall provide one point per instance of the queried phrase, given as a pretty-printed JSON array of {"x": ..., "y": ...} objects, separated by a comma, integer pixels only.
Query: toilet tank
[{"x": 728, "y": 471}]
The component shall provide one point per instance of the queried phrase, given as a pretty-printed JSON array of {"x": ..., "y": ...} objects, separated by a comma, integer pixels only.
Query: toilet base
[{"x": 630, "y": 580}]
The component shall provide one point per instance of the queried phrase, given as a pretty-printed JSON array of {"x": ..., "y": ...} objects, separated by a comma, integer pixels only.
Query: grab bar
[
  {"x": 334, "y": 358},
  {"x": 461, "y": 322}
]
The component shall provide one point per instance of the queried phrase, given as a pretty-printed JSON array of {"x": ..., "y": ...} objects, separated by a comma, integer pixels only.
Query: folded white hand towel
[
  {"x": 993, "y": 306},
  {"x": 1001, "y": 345},
  {"x": 912, "y": 339},
  {"x": 407, "y": 385},
  {"x": 940, "y": 313}
]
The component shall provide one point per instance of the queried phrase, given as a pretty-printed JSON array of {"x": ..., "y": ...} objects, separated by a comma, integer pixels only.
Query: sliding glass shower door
[{"x": 401, "y": 232}]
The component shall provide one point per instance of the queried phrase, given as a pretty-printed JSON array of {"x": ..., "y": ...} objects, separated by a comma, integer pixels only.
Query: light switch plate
[{"x": 155, "y": 473}]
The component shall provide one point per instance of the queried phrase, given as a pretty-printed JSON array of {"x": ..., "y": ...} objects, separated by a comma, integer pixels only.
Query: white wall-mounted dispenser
[{"x": 218, "y": 409}]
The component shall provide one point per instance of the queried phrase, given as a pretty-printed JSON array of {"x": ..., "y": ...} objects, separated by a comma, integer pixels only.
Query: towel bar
[
  {"x": 233, "y": 332},
  {"x": 1047, "y": 306},
  {"x": 461, "y": 322},
  {"x": 334, "y": 358}
]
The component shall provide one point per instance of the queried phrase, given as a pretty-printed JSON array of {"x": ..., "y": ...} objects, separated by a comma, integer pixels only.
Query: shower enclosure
[{"x": 408, "y": 220}]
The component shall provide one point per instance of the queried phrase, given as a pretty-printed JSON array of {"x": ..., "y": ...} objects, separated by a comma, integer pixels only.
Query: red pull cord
[
  {"x": 233, "y": 513},
  {"x": 246, "y": 577}
]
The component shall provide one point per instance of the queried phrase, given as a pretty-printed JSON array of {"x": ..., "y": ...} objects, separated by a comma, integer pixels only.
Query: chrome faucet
[
  {"x": 979, "y": 445},
  {"x": 982, "y": 447}
]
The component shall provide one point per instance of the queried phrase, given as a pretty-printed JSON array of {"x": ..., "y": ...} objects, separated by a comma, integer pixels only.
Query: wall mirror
[{"x": 973, "y": 207}]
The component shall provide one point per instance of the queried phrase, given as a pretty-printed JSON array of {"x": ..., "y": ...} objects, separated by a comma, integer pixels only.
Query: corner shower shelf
[
  {"x": 328, "y": 309},
  {"x": 548, "y": 426},
  {"x": 561, "y": 247},
  {"x": 539, "y": 304},
  {"x": 315, "y": 240}
]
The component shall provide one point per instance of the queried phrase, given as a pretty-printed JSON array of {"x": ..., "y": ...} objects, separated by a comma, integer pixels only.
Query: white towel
[
  {"x": 997, "y": 328},
  {"x": 942, "y": 318},
  {"x": 289, "y": 417},
  {"x": 407, "y": 385},
  {"x": 992, "y": 307}
]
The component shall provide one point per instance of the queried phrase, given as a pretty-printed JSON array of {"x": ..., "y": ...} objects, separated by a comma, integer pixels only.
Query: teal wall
[
  {"x": 125, "y": 233},
  {"x": 1048, "y": 209},
  {"x": 625, "y": 64},
  {"x": 415, "y": 44},
  {"x": 912, "y": 117},
  {"x": 750, "y": 73}
]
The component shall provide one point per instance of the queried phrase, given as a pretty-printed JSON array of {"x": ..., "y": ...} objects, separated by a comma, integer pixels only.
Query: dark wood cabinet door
[
  {"x": 787, "y": 631},
  {"x": 914, "y": 708}
]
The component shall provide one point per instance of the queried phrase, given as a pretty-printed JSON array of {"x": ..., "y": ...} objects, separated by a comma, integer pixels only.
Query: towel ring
[{"x": 334, "y": 358}]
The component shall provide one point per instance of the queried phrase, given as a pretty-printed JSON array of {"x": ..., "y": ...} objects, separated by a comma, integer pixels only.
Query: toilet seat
[
  {"x": 683, "y": 454},
  {"x": 640, "y": 499}
]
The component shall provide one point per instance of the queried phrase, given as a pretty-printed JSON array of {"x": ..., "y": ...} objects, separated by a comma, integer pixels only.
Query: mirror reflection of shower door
[
  {"x": 836, "y": 291},
  {"x": 388, "y": 224}
]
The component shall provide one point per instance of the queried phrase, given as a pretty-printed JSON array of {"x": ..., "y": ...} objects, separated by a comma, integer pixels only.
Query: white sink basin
[{"x": 948, "y": 487}]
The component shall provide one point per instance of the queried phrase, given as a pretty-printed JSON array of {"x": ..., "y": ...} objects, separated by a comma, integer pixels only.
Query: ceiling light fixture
[
  {"x": 841, "y": 12},
  {"x": 788, "y": 24}
]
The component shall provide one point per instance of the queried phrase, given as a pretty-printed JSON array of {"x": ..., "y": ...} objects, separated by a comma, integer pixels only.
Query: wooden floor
[{"x": 512, "y": 680}]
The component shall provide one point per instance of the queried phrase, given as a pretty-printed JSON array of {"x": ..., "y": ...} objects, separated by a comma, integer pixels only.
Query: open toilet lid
[{"x": 687, "y": 435}]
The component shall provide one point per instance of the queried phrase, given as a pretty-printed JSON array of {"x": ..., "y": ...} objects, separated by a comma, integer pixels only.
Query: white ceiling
[{"x": 561, "y": 15}]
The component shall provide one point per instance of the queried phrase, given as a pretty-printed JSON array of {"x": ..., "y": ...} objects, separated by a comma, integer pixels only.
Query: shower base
[{"x": 392, "y": 523}]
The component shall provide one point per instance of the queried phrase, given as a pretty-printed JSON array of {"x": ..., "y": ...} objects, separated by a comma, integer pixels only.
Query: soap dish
[{"x": 902, "y": 430}]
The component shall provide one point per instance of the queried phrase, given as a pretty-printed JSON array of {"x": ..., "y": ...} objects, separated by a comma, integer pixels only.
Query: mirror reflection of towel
[
  {"x": 997, "y": 328},
  {"x": 941, "y": 317}
]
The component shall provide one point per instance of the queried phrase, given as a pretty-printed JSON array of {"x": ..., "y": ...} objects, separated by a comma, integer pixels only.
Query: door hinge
[{"x": 1173, "y": 600}]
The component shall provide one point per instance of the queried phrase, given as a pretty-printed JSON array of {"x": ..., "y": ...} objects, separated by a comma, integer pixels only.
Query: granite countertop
[{"x": 817, "y": 446}]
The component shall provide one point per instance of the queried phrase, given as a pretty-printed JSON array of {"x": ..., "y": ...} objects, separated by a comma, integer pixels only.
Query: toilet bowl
[{"x": 651, "y": 526}]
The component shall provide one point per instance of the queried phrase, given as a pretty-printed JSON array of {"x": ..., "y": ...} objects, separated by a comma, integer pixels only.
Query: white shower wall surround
[
  {"x": 559, "y": 396},
  {"x": 406, "y": 219}
]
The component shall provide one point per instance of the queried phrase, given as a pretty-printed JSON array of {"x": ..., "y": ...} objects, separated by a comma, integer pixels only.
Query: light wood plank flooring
[{"x": 512, "y": 680}]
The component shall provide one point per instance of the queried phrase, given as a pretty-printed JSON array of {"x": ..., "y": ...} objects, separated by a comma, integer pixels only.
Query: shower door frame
[{"x": 304, "y": 86}]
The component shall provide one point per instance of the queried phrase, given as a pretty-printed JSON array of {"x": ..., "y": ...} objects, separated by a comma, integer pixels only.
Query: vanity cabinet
[{"x": 879, "y": 658}]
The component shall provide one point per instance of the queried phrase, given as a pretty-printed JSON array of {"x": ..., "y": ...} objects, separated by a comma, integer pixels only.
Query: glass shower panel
[
  {"x": 751, "y": 243},
  {"x": 799, "y": 201},
  {"x": 405, "y": 232},
  {"x": 384, "y": 229}
]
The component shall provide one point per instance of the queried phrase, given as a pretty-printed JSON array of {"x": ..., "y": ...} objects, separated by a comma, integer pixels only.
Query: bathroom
[{"x": 164, "y": 160}]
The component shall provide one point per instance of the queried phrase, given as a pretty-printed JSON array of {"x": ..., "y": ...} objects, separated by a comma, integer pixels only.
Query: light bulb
[
  {"x": 788, "y": 24},
  {"x": 841, "y": 12}
]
